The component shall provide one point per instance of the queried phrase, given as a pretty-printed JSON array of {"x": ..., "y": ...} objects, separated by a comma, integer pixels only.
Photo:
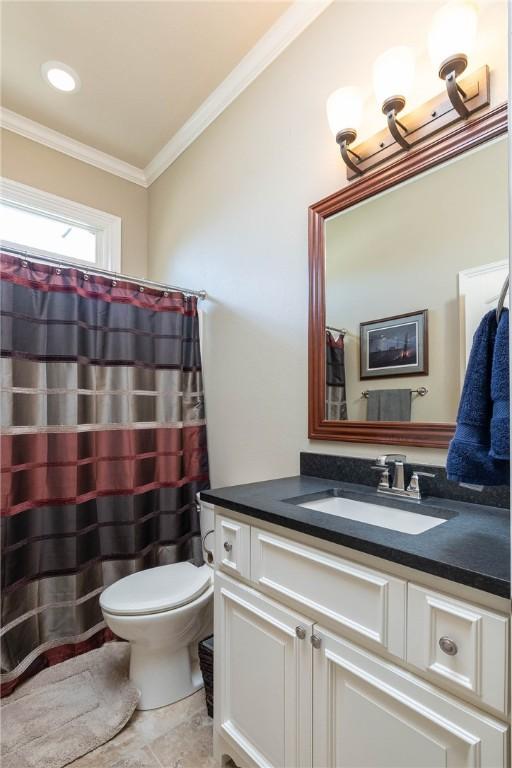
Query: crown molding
[
  {"x": 285, "y": 30},
  {"x": 16, "y": 123}
]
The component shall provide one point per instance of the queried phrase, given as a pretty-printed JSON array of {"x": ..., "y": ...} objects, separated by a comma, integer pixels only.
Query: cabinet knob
[
  {"x": 300, "y": 632},
  {"x": 316, "y": 641},
  {"x": 227, "y": 546},
  {"x": 449, "y": 646}
]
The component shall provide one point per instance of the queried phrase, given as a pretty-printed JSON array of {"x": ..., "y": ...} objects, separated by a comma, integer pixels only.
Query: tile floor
[{"x": 178, "y": 736}]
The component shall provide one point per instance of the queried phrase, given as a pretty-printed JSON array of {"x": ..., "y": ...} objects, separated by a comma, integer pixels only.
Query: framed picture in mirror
[{"x": 394, "y": 346}]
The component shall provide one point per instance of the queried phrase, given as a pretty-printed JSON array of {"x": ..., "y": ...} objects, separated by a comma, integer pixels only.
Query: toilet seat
[{"x": 156, "y": 589}]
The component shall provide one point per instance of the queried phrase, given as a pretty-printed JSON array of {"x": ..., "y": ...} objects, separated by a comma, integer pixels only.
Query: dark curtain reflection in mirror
[{"x": 336, "y": 401}]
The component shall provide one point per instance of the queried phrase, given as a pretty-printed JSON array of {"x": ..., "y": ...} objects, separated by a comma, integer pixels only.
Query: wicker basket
[{"x": 206, "y": 663}]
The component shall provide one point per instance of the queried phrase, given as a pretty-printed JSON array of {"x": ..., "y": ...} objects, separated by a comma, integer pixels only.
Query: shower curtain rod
[{"x": 105, "y": 273}]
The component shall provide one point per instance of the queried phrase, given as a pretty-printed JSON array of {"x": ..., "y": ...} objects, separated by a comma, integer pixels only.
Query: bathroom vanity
[
  {"x": 365, "y": 628},
  {"x": 340, "y": 643}
]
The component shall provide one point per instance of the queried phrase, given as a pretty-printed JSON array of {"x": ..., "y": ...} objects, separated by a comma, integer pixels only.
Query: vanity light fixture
[
  {"x": 450, "y": 41},
  {"x": 393, "y": 75},
  {"x": 344, "y": 112}
]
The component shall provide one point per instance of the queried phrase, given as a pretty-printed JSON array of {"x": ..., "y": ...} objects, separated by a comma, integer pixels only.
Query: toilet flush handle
[
  {"x": 209, "y": 553},
  {"x": 227, "y": 546}
]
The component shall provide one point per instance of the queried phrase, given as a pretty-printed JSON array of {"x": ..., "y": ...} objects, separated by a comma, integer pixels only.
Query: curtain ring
[
  {"x": 114, "y": 283},
  {"x": 85, "y": 276},
  {"x": 141, "y": 288},
  {"x": 166, "y": 293},
  {"x": 24, "y": 263}
]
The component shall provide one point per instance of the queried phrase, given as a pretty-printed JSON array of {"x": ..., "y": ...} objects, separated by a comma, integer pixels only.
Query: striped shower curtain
[
  {"x": 335, "y": 386},
  {"x": 103, "y": 450}
]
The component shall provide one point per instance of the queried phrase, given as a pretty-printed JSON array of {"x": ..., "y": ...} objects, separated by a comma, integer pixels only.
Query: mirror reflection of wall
[
  {"x": 478, "y": 288},
  {"x": 438, "y": 243}
]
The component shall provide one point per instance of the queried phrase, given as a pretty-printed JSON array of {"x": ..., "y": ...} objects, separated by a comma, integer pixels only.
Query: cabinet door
[
  {"x": 369, "y": 713},
  {"x": 263, "y": 677}
]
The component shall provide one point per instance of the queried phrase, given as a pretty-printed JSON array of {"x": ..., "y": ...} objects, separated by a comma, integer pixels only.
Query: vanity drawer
[
  {"x": 354, "y": 600},
  {"x": 472, "y": 654},
  {"x": 232, "y": 546}
]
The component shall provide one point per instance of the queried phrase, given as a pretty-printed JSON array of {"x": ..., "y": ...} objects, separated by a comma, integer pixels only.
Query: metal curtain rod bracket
[
  {"x": 63, "y": 264},
  {"x": 421, "y": 392},
  {"x": 341, "y": 331}
]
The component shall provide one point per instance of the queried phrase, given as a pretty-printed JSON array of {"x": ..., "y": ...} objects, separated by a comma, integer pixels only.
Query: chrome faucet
[{"x": 398, "y": 487}]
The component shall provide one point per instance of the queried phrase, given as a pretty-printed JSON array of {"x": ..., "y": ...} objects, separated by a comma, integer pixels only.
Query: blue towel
[
  {"x": 469, "y": 460},
  {"x": 500, "y": 393}
]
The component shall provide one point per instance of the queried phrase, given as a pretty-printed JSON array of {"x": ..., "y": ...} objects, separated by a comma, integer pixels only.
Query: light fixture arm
[
  {"x": 393, "y": 125},
  {"x": 391, "y": 107},
  {"x": 343, "y": 139},
  {"x": 456, "y": 95},
  {"x": 449, "y": 71},
  {"x": 345, "y": 153}
]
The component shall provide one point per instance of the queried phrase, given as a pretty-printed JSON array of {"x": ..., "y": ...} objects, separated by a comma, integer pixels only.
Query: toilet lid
[{"x": 156, "y": 589}]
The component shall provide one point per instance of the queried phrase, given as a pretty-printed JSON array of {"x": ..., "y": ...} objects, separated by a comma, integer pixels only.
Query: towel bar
[{"x": 421, "y": 392}]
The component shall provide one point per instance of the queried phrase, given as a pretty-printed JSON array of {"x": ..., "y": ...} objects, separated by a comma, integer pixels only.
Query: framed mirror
[{"x": 403, "y": 265}]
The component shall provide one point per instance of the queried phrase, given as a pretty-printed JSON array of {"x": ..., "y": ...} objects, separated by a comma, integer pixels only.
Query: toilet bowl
[{"x": 163, "y": 612}]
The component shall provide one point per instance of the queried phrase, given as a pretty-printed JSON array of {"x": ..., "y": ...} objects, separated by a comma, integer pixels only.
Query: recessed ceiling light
[{"x": 60, "y": 76}]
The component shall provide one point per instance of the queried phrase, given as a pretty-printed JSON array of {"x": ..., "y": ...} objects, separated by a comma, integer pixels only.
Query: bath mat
[{"x": 68, "y": 710}]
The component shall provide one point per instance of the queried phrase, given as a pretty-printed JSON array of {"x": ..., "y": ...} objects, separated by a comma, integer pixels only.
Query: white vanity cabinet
[
  {"x": 323, "y": 662},
  {"x": 263, "y": 689}
]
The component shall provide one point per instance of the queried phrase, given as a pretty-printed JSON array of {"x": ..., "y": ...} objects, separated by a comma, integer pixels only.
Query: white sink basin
[{"x": 374, "y": 514}]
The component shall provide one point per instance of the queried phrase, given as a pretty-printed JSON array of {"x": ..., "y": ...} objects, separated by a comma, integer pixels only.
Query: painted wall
[
  {"x": 230, "y": 215},
  {"x": 38, "y": 166},
  {"x": 422, "y": 234}
]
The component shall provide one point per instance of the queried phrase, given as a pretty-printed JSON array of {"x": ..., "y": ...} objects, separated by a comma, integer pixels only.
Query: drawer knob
[
  {"x": 448, "y": 646},
  {"x": 227, "y": 546},
  {"x": 300, "y": 632},
  {"x": 316, "y": 641}
]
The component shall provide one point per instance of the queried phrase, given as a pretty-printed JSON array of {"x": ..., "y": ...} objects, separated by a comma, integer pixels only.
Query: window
[{"x": 46, "y": 225}]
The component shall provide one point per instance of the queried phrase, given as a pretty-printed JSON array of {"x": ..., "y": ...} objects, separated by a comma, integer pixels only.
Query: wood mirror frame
[{"x": 430, "y": 434}]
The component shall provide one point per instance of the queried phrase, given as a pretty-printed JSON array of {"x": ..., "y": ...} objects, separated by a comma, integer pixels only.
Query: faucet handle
[
  {"x": 384, "y": 475},
  {"x": 414, "y": 483}
]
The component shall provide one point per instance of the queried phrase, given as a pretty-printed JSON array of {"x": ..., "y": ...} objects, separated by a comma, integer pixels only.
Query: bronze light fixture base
[
  {"x": 347, "y": 136},
  {"x": 393, "y": 104},
  {"x": 425, "y": 121},
  {"x": 456, "y": 64}
]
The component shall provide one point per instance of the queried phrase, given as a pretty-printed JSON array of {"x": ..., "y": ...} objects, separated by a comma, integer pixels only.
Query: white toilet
[{"x": 163, "y": 612}]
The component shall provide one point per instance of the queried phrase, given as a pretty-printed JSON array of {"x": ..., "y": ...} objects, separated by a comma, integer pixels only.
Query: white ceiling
[{"x": 146, "y": 67}]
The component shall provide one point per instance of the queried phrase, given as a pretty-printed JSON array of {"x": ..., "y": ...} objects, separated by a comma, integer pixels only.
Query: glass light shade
[
  {"x": 393, "y": 73},
  {"x": 453, "y": 30},
  {"x": 345, "y": 109}
]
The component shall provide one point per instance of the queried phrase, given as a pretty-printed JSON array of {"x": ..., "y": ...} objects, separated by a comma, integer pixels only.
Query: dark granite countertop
[{"x": 472, "y": 547}]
